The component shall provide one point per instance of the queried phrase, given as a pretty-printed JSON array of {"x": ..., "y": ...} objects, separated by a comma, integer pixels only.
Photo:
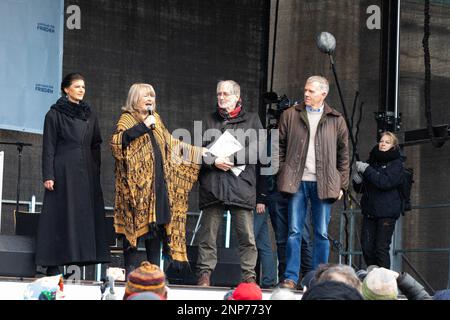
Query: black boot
[{"x": 53, "y": 271}]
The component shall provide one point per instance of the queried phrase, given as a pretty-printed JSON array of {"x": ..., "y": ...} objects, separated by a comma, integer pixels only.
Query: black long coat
[{"x": 72, "y": 225}]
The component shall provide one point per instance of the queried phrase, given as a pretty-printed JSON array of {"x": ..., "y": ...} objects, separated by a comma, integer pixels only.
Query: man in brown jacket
[{"x": 314, "y": 166}]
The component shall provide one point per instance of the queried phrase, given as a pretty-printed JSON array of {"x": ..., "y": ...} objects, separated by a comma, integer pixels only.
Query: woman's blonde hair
[
  {"x": 392, "y": 136},
  {"x": 137, "y": 91}
]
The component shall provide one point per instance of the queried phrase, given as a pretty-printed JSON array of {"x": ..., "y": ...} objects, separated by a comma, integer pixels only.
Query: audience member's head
[
  {"x": 146, "y": 295},
  {"x": 309, "y": 280},
  {"x": 148, "y": 277},
  {"x": 371, "y": 267},
  {"x": 341, "y": 273},
  {"x": 442, "y": 295},
  {"x": 380, "y": 284},
  {"x": 331, "y": 290},
  {"x": 247, "y": 291},
  {"x": 322, "y": 268},
  {"x": 282, "y": 294},
  {"x": 361, "y": 274}
]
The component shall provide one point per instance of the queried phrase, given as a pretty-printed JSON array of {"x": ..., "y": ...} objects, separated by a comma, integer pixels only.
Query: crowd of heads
[{"x": 327, "y": 282}]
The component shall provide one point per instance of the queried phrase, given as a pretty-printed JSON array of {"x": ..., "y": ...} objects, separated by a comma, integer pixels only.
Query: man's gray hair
[
  {"x": 323, "y": 82},
  {"x": 235, "y": 87},
  {"x": 342, "y": 273}
]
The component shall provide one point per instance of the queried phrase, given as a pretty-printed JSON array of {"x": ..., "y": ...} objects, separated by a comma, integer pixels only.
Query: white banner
[
  {"x": 31, "y": 48},
  {"x": 2, "y": 155}
]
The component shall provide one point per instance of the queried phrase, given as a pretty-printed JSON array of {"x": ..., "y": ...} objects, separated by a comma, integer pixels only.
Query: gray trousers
[{"x": 242, "y": 222}]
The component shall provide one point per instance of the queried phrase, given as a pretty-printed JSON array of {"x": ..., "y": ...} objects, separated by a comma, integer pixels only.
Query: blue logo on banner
[
  {"x": 43, "y": 88},
  {"x": 46, "y": 27}
]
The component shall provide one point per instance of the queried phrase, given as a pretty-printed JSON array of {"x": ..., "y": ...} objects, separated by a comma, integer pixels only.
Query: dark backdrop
[{"x": 181, "y": 47}]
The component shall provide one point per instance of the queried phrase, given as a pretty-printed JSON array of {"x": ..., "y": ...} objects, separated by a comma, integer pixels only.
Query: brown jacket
[{"x": 332, "y": 153}]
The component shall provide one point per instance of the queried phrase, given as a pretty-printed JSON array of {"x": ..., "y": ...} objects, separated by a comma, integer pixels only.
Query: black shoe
[{"x": 53, "y": 271}]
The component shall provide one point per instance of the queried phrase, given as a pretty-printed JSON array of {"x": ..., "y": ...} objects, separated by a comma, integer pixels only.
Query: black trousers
[
  {"x": 376, "y": 239},
  {"x": 133, "y": 258}
]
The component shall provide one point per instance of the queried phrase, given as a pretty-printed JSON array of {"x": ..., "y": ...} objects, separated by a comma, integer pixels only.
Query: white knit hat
[{"x": 380, "y": 284}]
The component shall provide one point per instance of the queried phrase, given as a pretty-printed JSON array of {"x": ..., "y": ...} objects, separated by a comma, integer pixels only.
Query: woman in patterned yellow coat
[{"x": 154, "y": 173}]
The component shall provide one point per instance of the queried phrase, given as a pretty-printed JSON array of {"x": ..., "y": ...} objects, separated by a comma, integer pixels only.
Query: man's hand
[
  {"x": 223, "y": 164},
  {"x": 260, "y": 208},
  {"x": 49, "y": 185}
]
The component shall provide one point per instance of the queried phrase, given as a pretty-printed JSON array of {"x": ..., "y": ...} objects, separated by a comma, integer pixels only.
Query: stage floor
[{"x": 14, "y": 288}]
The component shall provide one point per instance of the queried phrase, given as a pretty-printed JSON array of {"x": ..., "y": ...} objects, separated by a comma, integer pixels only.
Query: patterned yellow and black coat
[{"x": 134, "y": 207}]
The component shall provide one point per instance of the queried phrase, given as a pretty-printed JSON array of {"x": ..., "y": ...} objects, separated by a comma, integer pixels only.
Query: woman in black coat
[
  {"x": 379, "y": 181},
  {"x": 72, "y": 226}
]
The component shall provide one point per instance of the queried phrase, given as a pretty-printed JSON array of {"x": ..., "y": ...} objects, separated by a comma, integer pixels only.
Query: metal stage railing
[
  {"x": 32, "y": 205},
  {"x": 398, "y": 253}
]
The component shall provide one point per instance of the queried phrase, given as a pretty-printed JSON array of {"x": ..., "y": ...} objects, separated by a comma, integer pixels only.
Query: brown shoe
[
  {"x": 288, "y": 284},
  {"x": 250, "y": 279},
  {"x": 204, "y": 279}
]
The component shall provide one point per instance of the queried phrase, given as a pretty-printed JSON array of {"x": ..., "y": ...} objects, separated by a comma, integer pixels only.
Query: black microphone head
[
  {"x": 326, "y": 42},
  {"x": 150, "y": 108}
]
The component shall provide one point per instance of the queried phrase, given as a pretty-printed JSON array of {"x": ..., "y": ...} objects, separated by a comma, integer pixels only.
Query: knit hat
[
  {"x": 331, "y": 290},
  {"x": 147, "y": 295},
  {"x": 148, "y": 277},
  {"x": 247, "y": 291},
  {"x": 380, "y": 284}
]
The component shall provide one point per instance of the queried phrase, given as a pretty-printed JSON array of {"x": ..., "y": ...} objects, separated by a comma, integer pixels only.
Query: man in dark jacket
[
  {"x": 229, "y": 183},
  {"x": 314, "y": 166}
]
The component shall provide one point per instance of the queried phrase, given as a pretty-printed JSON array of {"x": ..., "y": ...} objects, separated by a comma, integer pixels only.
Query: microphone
[
  {"x": 326, "y": 42},
  {"x": 152, "y": 117}
]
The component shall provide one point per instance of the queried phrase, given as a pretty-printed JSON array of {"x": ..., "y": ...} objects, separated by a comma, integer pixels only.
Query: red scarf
[{"x": 232, "y": 114}]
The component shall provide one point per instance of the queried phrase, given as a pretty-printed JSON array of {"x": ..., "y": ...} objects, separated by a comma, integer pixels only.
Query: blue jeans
[
  {"x": 265, "y": 253},
  {"x": 278, "y": 210},
  {"x": 297, "y": 211}
]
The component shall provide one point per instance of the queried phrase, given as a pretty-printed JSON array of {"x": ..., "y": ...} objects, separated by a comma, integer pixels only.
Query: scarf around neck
[
  {"x": 80, "y": 111},
  {"x": 377, "y": 156},
  {"x": 232, "y": 114}
]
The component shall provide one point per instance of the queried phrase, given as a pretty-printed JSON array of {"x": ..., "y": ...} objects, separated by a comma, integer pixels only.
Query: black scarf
[
  {"x": 80, "y": 111},
  {"x": 377, "y": 156}
]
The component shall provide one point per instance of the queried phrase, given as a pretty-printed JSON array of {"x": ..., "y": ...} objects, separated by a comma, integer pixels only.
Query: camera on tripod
[{"x": 277, "y": 105}]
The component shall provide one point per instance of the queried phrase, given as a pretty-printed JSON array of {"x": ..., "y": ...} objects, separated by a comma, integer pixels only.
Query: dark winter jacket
[
  {"x": 412, "y": 289},
  {"x": 381, "y": 179},
  {"x": 225, "y": 188}
]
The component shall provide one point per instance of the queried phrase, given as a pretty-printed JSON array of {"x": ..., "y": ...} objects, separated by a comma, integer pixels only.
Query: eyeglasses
[{"x": 225, "y": 94}]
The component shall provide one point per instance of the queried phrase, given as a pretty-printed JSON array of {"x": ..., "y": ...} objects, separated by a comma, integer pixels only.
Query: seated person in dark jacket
[{"x": 378, "y": 180}]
